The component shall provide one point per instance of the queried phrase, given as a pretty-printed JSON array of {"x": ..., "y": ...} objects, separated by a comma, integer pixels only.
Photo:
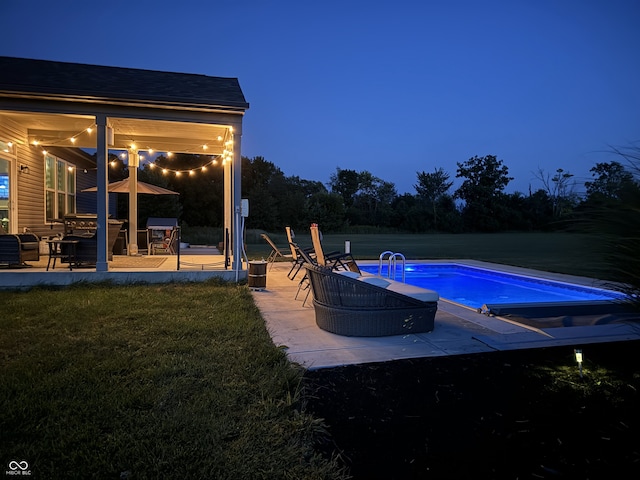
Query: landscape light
[{"x": 578, "y": 352}]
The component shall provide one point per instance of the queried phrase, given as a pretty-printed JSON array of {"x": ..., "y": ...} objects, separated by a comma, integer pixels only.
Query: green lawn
[{"x": 135, "y": 382}]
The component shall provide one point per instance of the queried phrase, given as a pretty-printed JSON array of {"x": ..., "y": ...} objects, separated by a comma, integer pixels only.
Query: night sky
[{"x": 390, "y": 87}]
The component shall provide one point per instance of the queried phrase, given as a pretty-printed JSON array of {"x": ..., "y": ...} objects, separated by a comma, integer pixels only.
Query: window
[{"x": 60, "y": 188}]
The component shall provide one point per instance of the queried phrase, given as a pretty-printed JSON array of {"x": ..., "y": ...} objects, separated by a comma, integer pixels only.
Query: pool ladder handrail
[{"x": 392, "y": 261}]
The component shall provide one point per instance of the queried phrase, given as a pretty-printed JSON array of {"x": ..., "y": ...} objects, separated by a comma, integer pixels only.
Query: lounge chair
[
  {"x": 275, "y": 251},
  {"x": 305, "y": 259},
  {"x": 369, "y": 306},
  {"x": 298, "y": 260},
  {"x": 333, "y": 260}
]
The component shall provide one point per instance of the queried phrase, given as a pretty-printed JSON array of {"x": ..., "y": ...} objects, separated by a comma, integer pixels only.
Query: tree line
[{"x": 359, "y": 201}]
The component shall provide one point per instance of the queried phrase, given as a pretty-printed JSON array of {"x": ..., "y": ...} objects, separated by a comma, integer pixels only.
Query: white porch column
[
  {"x": 134, "y": 161},
  {"x": 102, "y": 204},
  {"x": 236, "y": 166},
  {"x": 228, "y": 205}
]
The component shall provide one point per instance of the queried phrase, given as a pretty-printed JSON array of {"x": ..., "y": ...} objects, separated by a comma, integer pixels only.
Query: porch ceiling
[{"x": 159, "y": 135}]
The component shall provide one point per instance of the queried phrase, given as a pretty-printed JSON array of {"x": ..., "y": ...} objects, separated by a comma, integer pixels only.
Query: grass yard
[{"x": 150, "y": 382}]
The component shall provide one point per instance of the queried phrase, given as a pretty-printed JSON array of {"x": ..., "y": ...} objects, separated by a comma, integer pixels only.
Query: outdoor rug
[{"x": 136, "y": 262}]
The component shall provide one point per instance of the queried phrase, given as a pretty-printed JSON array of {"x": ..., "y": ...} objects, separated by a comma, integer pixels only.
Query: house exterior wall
[
  {"x": 30, "y": 191},
  {"x": 30, "y": 200}
]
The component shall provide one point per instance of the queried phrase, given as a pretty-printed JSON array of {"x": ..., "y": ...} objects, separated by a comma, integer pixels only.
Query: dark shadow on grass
[{"x": 520, "y": 414}]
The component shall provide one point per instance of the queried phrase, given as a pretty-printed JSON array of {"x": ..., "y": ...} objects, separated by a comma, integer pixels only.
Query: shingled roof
[{"x": 43, "y": 77}]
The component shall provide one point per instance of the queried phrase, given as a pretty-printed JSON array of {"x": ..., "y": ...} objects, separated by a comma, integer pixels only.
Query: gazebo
[{"x": 47, "y": 103}]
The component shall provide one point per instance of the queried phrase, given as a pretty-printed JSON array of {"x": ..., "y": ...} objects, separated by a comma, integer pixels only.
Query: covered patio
[{"x": 111, "y": 110}]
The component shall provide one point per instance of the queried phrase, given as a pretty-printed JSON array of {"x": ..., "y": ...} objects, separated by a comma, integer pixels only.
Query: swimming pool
[{"x": 476, "y": 287}]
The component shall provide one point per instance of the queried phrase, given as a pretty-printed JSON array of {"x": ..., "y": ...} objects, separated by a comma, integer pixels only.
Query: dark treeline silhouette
[{"x": 359, "y": 201}]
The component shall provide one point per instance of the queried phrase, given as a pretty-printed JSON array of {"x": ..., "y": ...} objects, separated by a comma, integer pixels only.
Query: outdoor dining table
[{"x": 56, "y": 251}]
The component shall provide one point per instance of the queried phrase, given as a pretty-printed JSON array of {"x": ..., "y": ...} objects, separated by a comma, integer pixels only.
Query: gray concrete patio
[{"x": 458, "y": 330}]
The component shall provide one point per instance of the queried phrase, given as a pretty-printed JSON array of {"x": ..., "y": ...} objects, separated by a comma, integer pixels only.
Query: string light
[
  {"x": 226, "y": 156},
  {"x": 73, "y": 138}
]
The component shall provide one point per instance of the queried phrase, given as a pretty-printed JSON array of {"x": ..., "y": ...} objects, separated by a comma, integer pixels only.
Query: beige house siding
[
  {"x": 29, "y": 201},
  {"x": 30, "y": 198}
]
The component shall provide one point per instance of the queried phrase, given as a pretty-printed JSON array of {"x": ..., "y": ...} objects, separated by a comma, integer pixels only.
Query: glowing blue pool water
[{"x": 475, "y": 287}]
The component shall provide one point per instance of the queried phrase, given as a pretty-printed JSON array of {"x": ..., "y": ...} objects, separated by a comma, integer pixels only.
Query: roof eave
[{"x": 229, "y": 107}]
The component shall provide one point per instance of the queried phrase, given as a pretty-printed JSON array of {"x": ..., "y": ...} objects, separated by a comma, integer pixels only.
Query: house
[{"x": 50, "y": 110}]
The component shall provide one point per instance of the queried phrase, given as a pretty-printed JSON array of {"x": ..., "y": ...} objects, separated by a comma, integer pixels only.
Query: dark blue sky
[{"x": 390, "y": 87}]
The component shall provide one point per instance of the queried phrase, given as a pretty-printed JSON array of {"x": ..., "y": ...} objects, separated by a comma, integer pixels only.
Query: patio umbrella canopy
[{"x": 122, "y": 186}]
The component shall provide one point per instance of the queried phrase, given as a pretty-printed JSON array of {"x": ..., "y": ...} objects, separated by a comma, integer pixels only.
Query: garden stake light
[{"x": 578, "y": 352}]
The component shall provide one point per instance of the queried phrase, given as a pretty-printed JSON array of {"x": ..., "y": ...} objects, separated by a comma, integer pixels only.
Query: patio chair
[
  {"x": 333, "y": 260},
  {"x": 164, "y": 244},
  {"x": 17, "y": 249},
  {"x": 275, "y": 251},
  {"x": 306, "y": 259},
  {"x": 298, "y": 260}
]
